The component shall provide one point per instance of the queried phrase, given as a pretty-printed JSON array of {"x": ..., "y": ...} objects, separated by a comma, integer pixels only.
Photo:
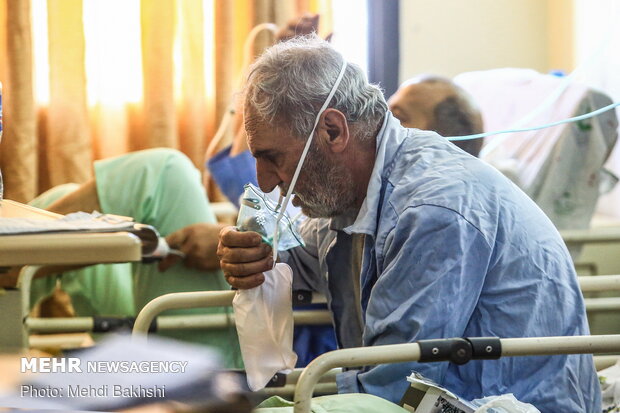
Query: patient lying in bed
[{"x": 159, "y": 187}]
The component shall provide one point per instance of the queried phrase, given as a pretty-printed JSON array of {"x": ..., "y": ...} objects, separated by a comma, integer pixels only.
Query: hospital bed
[
  {"x": 455, "y": 350},
  {"x": 283, "y": 385},
  {"x": 320, "y": 374},
  {"x": 150, "y": 320},
  {"x": 596, "y": 245},
  {"x": 599, "y": 255},
  {"x": 560, "y": 168},
  {"x": 40, "y": 252},
  {"x": 287, "y": 386}
]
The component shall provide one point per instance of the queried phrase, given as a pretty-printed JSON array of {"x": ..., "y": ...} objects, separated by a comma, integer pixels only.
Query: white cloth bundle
[{"x": 264, "y": 319}]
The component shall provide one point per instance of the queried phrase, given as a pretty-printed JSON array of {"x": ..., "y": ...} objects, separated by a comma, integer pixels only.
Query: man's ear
[{"x": 334, "y": 130}]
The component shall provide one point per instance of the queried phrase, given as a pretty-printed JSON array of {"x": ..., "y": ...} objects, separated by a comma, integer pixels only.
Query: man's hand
[
  {"x": 298, "y": 26},
  {"x": 199, "y": 244},
  {"x": 243, "y": 258}
]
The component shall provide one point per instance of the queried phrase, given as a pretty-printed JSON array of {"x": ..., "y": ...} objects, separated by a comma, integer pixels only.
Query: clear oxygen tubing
[
  {"x": 302, "y": 159},
  {"x": 231, "y": 110},
  {"x": 547, "y": 125},
  {"x": 551, "y": 98}
]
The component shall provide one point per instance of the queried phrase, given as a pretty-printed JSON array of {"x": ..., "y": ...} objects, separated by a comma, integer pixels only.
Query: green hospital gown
[
  {"x": 158, "y": 187},
  {"x": 338, "y": 403}
]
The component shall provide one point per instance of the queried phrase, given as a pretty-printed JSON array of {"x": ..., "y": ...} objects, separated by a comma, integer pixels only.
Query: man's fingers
[
  {"x": 244, "y": 283},
  {"x": 168, "y": 262},
  {"x": 239, "y": 255},
  {"x": 230, "y": 237},
  {"x": 177, "y": 238},
  {"x": 246, "y": 268}
]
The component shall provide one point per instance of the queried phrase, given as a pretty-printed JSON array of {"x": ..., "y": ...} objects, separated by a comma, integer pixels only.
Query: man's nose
[{"x": 267, "y": 179}]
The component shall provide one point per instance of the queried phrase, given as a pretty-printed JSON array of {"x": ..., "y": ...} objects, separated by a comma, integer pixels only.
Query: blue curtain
[{"x": 383, "y": 44}]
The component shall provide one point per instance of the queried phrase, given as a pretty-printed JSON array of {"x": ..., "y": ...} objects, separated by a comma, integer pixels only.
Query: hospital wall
[{"x": 448, "y": 37}]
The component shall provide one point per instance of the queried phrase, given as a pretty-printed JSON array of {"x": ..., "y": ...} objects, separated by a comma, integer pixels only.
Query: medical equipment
[
  {"x": 545, "y": 126},
  {"x": 277, "y": 335},
  {"x": 258, "y": 213}
]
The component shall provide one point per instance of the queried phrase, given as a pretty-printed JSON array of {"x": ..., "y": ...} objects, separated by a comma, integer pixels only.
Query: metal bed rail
[
  {"x": 224, "y": 298},
  {"x": 160, "y": 323},
  {"x": 591, "y": 235},
  {"x": 205, "y": 299},
  {"x": 174, "y": 301},
  {"x": 457, "y": 350},
  {"x": 600, "y": 283},
  {"x": 326, "y": 384}
]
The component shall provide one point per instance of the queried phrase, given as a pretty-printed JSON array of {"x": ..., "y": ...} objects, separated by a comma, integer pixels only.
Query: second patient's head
[{"x": 436, "y": 103}]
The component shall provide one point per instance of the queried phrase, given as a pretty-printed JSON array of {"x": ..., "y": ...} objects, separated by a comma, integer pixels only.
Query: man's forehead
[
  {"x": 250, "y": 119},
  {"x": 258, "y": 141},
  {"x": 264, "y": 136}
]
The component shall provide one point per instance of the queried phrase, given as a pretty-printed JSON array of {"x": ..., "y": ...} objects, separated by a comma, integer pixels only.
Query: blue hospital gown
[{"x": 454, "y": 249}]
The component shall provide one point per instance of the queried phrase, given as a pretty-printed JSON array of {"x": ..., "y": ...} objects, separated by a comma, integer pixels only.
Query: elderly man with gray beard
[{"x": 448, "y": 246}]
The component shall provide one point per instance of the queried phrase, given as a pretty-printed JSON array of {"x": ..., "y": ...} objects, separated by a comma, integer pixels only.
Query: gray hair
[{"x": 292, "y": 79}]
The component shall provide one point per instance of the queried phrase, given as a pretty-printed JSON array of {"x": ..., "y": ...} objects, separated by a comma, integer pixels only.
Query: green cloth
[
  {"x": 162, "y": 188},
  {"x": 112, "y": 283},
  {"x": 338, "y": 403}
]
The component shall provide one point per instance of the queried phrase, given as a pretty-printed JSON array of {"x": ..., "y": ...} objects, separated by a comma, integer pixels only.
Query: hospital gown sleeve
[{"x": 429, "y": 280}]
